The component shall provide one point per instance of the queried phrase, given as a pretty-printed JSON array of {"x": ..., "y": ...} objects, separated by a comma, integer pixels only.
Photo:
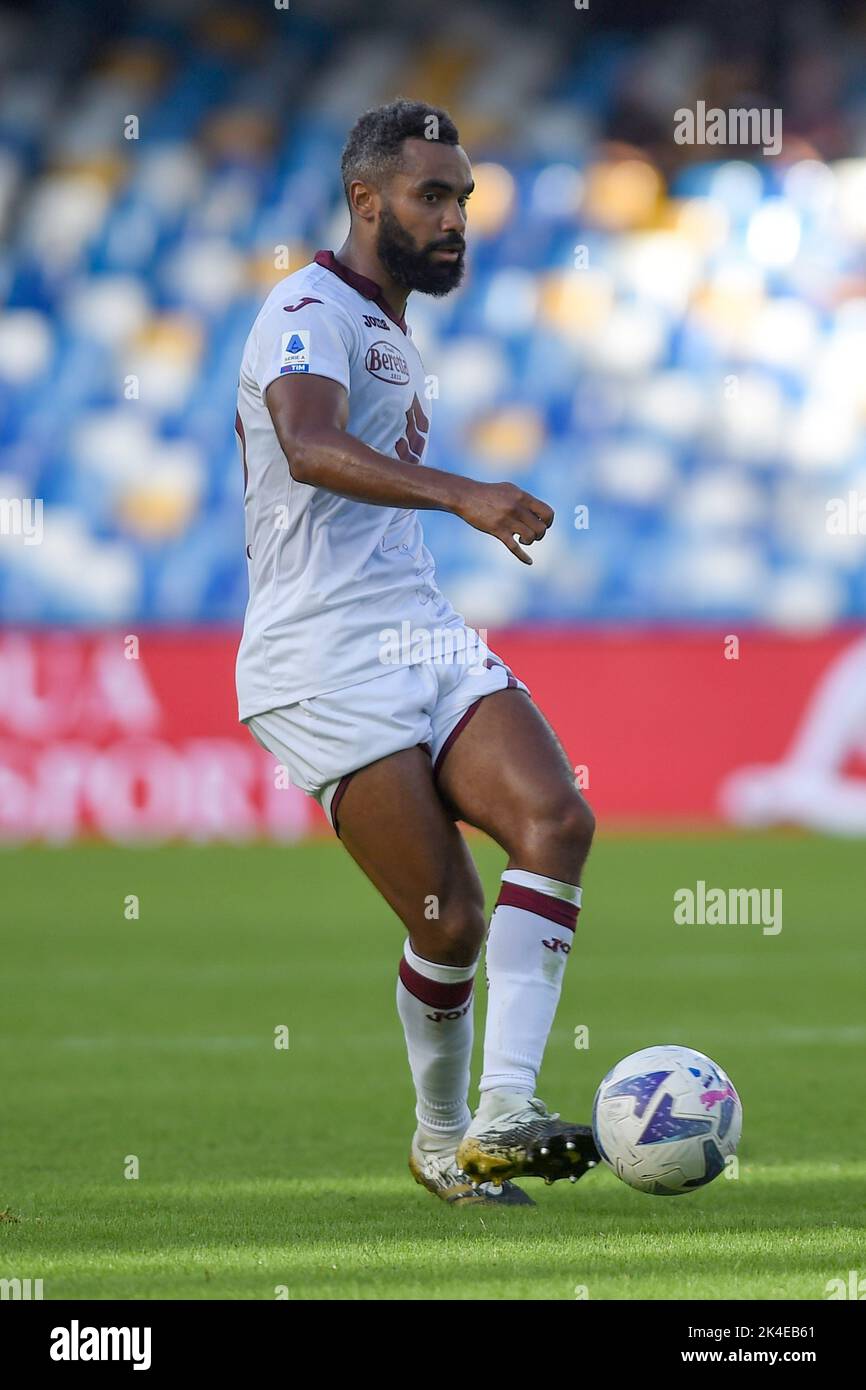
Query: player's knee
[
  {"x": 583, "y": 827},
  {"x": 576, "y": 826},
  {"x": 459, "y": 932},
  {"x": 560, "y": 833},
  {"x": 581, "y": 823}
]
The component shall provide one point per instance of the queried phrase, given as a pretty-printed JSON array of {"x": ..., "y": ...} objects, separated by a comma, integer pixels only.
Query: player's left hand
[{"x": 504, "y": 510}]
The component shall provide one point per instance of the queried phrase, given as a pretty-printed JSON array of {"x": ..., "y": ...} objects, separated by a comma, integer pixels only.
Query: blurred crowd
[{"x": 666, "y": 341}]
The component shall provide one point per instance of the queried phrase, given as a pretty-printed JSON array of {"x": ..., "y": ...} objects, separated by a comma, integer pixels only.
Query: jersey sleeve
[{"x": 316, "y": 338}]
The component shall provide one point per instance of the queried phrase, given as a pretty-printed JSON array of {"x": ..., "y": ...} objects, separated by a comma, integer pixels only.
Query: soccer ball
[{"x": 665, "y": 1119}]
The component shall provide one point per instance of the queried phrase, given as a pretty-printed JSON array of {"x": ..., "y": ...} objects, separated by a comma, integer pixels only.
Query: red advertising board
[
  {"x": 662, "y": 718},
  {"x": 137, "y": 738},
  {"x": 132, "y": 738}
]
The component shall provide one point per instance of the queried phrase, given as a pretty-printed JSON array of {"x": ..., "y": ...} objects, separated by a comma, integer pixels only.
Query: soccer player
[{"x": 398, "y": 742}]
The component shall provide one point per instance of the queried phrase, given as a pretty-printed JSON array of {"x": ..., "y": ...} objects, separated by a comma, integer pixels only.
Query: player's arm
[{"x": 310, "y": 413}]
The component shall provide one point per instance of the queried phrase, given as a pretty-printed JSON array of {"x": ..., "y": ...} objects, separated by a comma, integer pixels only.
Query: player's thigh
[
  {"x": 508, "y": 774},
  {"x": 395, "y": 826}
]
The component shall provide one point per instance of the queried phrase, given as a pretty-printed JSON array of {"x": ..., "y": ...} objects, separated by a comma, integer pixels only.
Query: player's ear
[{"x": 363, "y": 200}]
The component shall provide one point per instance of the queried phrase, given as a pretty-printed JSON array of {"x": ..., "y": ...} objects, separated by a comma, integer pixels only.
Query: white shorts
[{"x": 322, "y": 741}]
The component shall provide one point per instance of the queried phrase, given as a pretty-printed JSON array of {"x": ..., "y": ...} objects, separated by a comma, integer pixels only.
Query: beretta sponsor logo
[{"x": 387, "y": 363}]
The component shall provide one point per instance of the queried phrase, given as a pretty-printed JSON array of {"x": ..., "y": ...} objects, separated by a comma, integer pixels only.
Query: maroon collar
[{"x": 368, "y": 288}]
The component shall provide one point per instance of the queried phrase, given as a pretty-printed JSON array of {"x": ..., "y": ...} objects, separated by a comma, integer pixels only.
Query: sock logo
[
  {"x": 555, "y": 944},
  {"x": 442, "y": 1014}
]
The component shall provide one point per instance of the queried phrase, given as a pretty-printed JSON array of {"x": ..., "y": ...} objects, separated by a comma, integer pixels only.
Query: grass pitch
[{"x": 266, "y": 1172}]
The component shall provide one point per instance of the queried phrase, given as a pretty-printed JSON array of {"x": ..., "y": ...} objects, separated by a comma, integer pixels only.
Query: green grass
[{"x": 261, "y": 1168}]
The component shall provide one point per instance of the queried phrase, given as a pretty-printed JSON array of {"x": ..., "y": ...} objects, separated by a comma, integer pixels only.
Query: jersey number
[{"x": 411, "y": 446}]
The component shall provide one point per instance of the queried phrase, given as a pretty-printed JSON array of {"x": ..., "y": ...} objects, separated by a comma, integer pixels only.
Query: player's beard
[{"x": 416, "y": 269}]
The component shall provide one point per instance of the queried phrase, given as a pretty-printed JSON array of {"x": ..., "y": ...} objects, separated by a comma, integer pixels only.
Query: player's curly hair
[{"x": 372, "y": 150}]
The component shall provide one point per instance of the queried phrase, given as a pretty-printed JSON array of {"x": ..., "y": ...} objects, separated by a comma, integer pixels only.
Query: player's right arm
[{"x": 310, "y": 413}]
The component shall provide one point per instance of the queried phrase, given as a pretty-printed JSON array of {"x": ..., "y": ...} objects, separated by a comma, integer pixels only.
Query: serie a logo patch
[{"x": 296, "y": 351}]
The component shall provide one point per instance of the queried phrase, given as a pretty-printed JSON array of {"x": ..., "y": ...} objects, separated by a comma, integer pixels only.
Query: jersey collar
[{"x": 368, "y": 288}]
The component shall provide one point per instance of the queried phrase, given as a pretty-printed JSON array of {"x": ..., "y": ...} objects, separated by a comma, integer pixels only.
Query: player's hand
[{"x": 507, "y": 512}]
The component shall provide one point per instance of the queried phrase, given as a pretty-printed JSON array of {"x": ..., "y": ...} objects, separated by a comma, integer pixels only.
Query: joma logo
[
  {"x": 372, "y": 322},
  {"x": 556, "y": 945},
  {"x": 442, "y": 1014}
]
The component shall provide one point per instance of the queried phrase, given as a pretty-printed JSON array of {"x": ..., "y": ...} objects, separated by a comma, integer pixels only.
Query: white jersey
[{"x": 330, "y": 577}]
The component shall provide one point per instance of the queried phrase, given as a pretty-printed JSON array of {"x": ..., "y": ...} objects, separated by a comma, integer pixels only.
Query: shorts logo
[
  {"x": 387, "y": 363},
  {"x": 296, "y": 351}
]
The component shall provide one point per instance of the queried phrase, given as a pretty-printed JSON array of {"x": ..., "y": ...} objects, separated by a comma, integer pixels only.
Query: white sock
[
  {"x": 435, "y": 1005},
  {"x": 527, "y": 946}
]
